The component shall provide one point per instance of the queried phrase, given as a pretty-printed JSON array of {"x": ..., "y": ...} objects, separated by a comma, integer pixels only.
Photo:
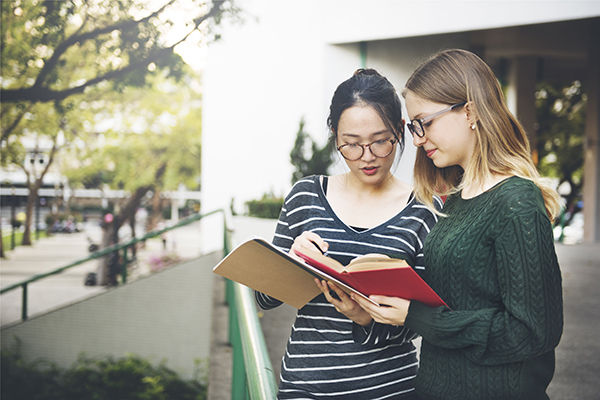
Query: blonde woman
[{"x": 491, "y": 255}]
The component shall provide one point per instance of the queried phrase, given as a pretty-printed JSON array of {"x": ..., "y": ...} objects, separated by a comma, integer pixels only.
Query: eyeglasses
[
  {"x": 416, "y": 125},
  {"x": 379, "y": 148}
]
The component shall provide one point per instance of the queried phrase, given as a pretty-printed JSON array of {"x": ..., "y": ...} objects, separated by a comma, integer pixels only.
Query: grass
[{"x": 7, "y": 239}]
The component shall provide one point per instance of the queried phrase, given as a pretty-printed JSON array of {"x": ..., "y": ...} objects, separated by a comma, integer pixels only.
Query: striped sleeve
[{"x": 283, "y": 238}]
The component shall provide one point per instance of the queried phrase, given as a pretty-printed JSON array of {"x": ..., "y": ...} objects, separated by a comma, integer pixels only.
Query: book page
[{"x": 375, "y": 261}]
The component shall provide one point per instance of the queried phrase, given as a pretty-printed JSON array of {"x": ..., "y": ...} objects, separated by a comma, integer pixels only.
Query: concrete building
[{"x": 285, "y": 61}]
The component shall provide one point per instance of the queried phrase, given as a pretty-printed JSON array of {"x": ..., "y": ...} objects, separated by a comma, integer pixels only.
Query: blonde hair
[{"x": 501, "y": 144}]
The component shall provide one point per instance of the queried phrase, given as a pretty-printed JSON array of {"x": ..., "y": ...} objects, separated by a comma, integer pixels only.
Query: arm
[
  {"x": 529, "y": 320},
  {"x": 388, "y": 321},
  {"x": 284, "y": 241}
]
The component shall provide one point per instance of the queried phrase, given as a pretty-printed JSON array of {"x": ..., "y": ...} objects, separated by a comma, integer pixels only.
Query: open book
[
  {"x": 376, "y": 274},
  {"x": 261, "y": 266}
]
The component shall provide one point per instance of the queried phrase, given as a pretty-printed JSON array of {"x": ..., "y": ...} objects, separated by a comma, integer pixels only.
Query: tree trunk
[
  {"x": 107, "y": 267},
  {"x": 31, "y": 201}
]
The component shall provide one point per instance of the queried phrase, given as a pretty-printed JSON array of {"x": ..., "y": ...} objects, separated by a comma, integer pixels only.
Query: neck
[
  {"x": 474, "y": 189},
  {"x": 361, "y": 188}
]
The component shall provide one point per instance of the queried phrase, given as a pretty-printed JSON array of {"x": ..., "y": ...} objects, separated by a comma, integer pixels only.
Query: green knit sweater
[{"x": 492, "y": 260}]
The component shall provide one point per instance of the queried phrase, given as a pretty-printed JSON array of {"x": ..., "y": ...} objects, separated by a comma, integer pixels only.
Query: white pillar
[{"x": 591, "y": 184}]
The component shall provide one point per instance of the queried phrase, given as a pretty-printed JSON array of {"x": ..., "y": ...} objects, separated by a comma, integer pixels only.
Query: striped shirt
[{"x": 328, "y": 356}]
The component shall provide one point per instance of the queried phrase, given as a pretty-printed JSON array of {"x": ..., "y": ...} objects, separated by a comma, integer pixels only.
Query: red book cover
[{"x": 377, "y": 275}]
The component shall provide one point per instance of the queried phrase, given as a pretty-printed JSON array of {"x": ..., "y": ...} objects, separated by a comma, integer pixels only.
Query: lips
[
  {"x": 370, "y": 170},
  {"x": 430, "y": 152}
]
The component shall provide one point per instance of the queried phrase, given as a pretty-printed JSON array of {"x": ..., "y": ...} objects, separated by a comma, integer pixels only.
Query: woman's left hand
[
  {"x": 345, "y": 304},
  {"x": 392, "y": 311}
]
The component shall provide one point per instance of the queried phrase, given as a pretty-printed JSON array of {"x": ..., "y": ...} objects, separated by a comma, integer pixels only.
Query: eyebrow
[{"x": 353, "y": 135}]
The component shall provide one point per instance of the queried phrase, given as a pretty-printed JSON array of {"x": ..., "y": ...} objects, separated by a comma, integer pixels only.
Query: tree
[
  {"x": 313, "y": 160},
  {"x": 52, "y": 50},
  {"x": 60, "y": 54},
  {"x": 44, "y": 131},
  {"x": 157, "y": 150},
  {"x": 561, "y": 135}
]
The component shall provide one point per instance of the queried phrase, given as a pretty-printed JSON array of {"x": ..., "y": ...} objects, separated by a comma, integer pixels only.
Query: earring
[{"x": 473, "y": 126}]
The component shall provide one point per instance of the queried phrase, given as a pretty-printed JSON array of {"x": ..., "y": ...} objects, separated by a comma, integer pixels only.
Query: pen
[{"x": 322, "y": 252}]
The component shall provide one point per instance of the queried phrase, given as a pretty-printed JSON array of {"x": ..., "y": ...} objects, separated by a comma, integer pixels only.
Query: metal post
[
  {"x": 12, "y": 219},
  {"x": 24, "y": 307},
  {"x": 124, "y": 267}
]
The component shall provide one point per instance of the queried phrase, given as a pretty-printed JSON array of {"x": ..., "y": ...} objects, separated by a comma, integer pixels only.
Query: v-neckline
[{"x": 330, "y": 209}]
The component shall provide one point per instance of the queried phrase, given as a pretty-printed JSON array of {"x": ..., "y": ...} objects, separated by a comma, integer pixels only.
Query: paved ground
[
  {"x": 59, "y": 250},
  {"x": 578, "y": 355}
]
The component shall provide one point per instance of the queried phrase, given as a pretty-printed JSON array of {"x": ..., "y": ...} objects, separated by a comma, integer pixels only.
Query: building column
[
  {"x": 521, "y": 95},
  {"x": 591, "y": 184}
]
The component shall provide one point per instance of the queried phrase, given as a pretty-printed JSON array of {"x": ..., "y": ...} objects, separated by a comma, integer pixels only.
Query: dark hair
[{"x": 367, "y": 87}]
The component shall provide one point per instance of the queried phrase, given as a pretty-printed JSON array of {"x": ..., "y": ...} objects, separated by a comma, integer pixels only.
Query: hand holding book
[{"x": 259, "y": 265}]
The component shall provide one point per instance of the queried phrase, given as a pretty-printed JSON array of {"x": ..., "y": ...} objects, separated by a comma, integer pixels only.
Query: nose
[
  {"x": 419, "y": 141},
  {"x": 368, "y": 154}
]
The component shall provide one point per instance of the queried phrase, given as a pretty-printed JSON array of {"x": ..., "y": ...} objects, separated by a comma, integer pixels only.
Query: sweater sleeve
[{"x": 529, "y": 321}]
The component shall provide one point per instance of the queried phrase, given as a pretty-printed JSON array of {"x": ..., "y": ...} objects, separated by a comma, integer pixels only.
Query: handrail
[
  {"x": 259, "y": 379},
  {"x": 252, "y": 372},
  {"x": 100, "y": 253},
  {"x": 252, "y": 376}
]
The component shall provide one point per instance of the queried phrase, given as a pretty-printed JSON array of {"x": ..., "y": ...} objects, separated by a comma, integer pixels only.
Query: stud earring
[{"x": 473, "y": 126}]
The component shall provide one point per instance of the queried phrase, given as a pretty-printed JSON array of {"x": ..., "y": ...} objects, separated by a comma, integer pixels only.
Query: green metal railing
[
  {"x": 101, "y": 253},
  {"x": 252, "y": 376}
]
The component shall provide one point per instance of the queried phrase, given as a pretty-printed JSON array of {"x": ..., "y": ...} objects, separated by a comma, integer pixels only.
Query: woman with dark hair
[
  {"x": 336, "y": 350},
  {"x": 491, "y": 256}
]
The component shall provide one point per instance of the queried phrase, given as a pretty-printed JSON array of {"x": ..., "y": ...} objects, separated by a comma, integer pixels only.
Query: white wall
[
  {"x": 264, "y": 75},
  {"x": 165, "y": 317}
]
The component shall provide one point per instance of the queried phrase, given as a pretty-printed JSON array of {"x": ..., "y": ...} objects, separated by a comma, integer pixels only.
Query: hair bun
[{"x": 366, "y": 71}]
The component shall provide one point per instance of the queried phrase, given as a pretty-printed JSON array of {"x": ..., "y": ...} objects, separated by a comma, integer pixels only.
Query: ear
[
  {"x": 401, "y": 127},
  {"x": 471, "y": 113}
]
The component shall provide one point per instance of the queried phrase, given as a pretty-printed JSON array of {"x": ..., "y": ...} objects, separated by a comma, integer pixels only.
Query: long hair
[{"x": 501, "y": 144}]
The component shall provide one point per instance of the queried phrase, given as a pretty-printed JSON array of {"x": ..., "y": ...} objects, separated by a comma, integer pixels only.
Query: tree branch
[
  {"x": 80, "y": 38},
  {"x": 15, "y": 123},
  {"x": 39, "y": 93}
]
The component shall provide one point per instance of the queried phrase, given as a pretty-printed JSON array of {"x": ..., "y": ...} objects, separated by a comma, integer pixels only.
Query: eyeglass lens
[{"x": 354, "y": 151}]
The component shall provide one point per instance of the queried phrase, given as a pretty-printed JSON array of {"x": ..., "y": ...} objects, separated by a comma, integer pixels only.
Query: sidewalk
[{"x": 59, "y": 250}]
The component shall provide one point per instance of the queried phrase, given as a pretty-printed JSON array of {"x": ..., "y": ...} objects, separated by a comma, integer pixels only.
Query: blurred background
[{"x": 120, "y": 118}]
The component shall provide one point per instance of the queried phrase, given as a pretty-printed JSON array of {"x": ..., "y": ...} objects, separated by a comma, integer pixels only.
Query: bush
[
  {"x": 99, "y": 378},
  {"x": 267, "y": 207}
]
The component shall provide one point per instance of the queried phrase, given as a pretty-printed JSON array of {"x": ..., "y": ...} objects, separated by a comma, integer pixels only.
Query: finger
[
  {"x": 322, "y": 285},
  {"x": 339, "y": 292},
  {"x": 316, "y": 241},
  {"x": 329, "y": 294}
]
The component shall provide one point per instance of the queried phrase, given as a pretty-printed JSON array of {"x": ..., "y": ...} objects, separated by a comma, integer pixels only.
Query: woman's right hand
[
  {"x": 310, "y": 241},
  {"x": 392, "y": 311}
]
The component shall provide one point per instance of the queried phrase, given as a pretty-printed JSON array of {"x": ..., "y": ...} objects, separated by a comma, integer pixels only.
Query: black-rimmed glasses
[
  {"x": 379, "y": 148},
  {"x": 416, "y": 125}
]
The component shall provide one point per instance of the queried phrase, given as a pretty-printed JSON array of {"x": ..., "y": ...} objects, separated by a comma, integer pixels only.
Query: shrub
[
  {"x": 98, "y": 378},
  {"x": 267, "y": 207}
]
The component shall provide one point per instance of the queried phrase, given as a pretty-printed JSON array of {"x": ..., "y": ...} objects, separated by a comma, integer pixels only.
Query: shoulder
[
  {"x": 518, "y": 199},
  {"x": 517, "y": 192},
  {"x": 306, "y": 184},
  {"x": 422, "y": 213},
  {"x": 436, "y": 201}
]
